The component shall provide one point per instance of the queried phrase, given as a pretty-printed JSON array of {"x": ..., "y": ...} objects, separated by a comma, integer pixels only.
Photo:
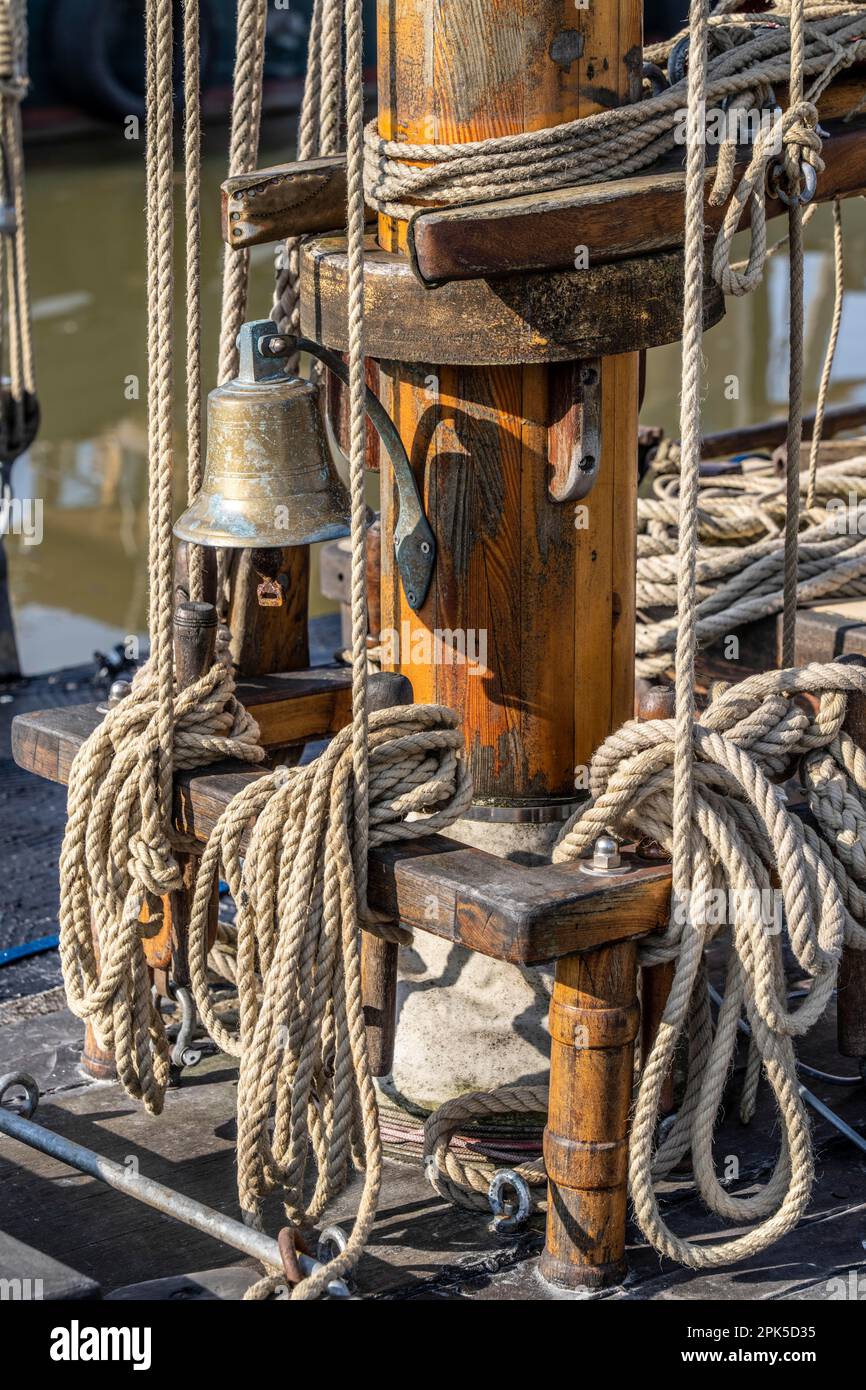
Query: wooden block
[{"x": 284, "y": 200}]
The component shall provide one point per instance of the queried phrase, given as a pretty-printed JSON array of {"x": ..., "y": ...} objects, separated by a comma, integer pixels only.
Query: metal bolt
[
  {"x": 605, "y": 854},
  {"x": 606, "y": 859},
  {"x": 410, "y": 598},
  {"x": 119, "y": 690},
  {"x": 276, "y": 347},
  {"x": 425, "y": 547}
]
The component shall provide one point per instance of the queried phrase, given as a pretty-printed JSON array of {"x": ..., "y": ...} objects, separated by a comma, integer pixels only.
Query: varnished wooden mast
[
  {"x": 554, "y": 603},
  {"x": 553, "y": 598}
]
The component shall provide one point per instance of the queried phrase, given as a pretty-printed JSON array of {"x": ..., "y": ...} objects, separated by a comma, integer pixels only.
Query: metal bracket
[
  {"x": 575, "y": 468},
  {"x": 414, "y": 542}
]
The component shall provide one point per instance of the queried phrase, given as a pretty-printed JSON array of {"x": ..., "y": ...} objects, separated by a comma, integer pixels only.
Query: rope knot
[
  {"x": 153, "y": 866},
  {"x": 793, "y": 175}
]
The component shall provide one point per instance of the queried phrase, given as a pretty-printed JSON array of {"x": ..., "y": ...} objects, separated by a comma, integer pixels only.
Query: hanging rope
[
  {"x": 117, "y": 861},
  {"x": 252, "y": 18},
  {"x": 301, "y": 1038},
  {"x": 704, "y": 788},
  {"x": 301, "y": 885},
  {"x": 318, "y": 135},
  {"x": 18, "y": 408}
]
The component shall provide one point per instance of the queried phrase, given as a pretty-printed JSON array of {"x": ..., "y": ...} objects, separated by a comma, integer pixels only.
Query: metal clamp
[
  {"x": 414, "y": 542},
  {"x": 510, "y": 1212},
  {"x": 580, "y": 473}
]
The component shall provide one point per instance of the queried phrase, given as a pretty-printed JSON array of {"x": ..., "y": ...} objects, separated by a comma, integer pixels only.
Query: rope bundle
[
  {"x": 750, "y": 56},
  {"x": 301, "y": 1036},
  {"x": 118, "y": 856},
  {"x": 742, "y": 840},
  {"x": 740, "y": 557},
  {"x": 463, "y": 1177}
]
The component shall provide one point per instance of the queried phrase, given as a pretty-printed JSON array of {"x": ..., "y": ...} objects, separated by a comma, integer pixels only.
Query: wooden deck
[{"x": 422, "y": 1248}]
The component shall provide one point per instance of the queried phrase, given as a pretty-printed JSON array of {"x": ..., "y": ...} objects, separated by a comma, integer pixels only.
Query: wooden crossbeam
[
  {"x": 613, "y": 221},
  {"x": 289, "y": 708},
  {"x": 465, "y": 895}
]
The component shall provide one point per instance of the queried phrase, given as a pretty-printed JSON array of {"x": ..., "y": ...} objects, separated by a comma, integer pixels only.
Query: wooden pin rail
[
  {"x": 491, "y": 905},
  {"x": 613, "y": 220}
]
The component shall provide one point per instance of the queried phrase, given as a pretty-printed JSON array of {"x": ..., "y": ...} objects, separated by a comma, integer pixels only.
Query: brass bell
[{"x": 270, "y": 476}]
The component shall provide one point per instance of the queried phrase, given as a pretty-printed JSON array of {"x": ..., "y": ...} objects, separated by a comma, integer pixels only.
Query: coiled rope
[
  {"x": 740, "y": 563},
  {"x": 751, "y": 55}
]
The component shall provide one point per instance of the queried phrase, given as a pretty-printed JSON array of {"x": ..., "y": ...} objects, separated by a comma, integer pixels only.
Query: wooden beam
[
  {"x": 615, "y": 220},
  {"x": 290, "y": 708},
  {"x": 491, "y": 905}
]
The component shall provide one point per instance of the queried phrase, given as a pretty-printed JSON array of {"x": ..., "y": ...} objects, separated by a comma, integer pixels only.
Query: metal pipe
[{"x": 153, "y": 1194}]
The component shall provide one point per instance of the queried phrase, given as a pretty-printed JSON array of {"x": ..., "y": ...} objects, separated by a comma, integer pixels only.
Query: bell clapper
[{"x": 266, "y": 563}]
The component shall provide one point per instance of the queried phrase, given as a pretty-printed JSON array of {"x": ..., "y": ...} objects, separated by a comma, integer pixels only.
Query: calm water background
[{"x": 84, "y": 586}]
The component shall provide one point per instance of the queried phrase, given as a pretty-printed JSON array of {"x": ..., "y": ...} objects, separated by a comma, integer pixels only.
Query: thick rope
[
  {"x": 464, "y": 1177},
  {"x": 318, "y": 134},
  {"x": 301, "y": 883},
  {"x": 192, "y": 181},
  {"x": 746, "y": 64},
  {"x": 301, "y": 1037},
  {"x": 252, "y": 18},
  {"x": 830, "y": 355},
  {"x": 117, "y": 860}
]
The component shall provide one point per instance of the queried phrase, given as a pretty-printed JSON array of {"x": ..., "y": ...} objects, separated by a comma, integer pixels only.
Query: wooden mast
[
  {"x": 554, "y": 603},
  {"x": 553, "y": 599}
]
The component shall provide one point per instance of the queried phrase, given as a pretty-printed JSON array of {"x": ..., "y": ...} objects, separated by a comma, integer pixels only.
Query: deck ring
[
  {"x": 509, "y": 1214},
  {"x": 332, "y": 1242},
  {"x": 22, "y": 1079}
]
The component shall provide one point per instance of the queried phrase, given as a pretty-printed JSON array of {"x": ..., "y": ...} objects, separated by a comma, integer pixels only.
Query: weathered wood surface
[
  {"x": 479, "y": 436},
  {"x": 772, "y": 433},
  {"x": 265, "y": 640},
  {"x": 304, "y": 197},
  {"x": 629, "y": 217},
  {"x": 284, "y": 200},
  {"x": 379, "y": 998},
  {"x": 553, "y": 317}
]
